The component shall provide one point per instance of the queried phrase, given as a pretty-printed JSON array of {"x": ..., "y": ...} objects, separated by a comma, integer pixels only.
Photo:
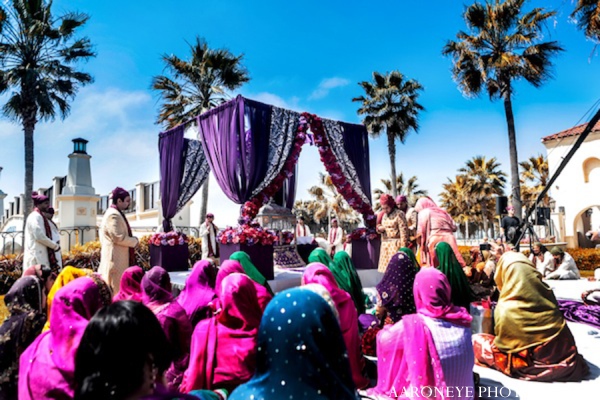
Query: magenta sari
[
  {"x": 130, "y": 288},
  {"x": 435, "y": 225},
  {"x": 319, "y": 273},
  {"x": 156, "y": 286},
  {"x": 47, "y": 367},
  {"x": 224, "y": 347},
  {"x": 199, "y": 292},
  {"x": 232, "y": 266},
  {"x": 407, "y": 355}
]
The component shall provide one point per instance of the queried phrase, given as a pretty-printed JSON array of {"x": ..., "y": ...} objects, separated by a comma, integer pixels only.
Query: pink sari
[
  {"x": 224, "y": 347},
  {"x": 231, "y": 266},
  {"x": 407, "y": 356},
  {"x": 130, "y": 288},
  {"x": 435, "y": 225},
  {"x": 47, "y": 367},
  {"x": 199, "y": 292},
  {"x": 319, "y": 273},
  {"x": 156, "y": 286}
]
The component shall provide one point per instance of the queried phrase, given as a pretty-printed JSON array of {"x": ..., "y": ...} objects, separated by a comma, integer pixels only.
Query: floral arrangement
[
  {"x": 173, "y": 238},
  {"x": 287, "y": 237},
  {"x": 250, "y": 234},
  {"x": 363, "y": 234}
]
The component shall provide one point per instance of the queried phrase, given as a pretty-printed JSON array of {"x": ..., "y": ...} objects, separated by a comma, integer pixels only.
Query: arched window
[{"x": 590, "y": 165}]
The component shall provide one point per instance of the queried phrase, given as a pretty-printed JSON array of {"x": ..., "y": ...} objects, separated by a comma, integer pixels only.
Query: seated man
[{"x": 564, "y": 265}]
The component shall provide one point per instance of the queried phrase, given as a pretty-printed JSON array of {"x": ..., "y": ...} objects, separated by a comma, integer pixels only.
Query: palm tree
[
  {"x": 410, "y": 189},
  {"x": 390, "y": 104},
  {"x": 485, "y": 181},
  {"x": 197, "y": 85},
  {"x": 328, "y": 202},
  {"x": 587, "y": 14},
  {"x": 38, "y": 54},
  {"x": 504, "y": 45},
  {"x": 534, "y": 178},
  {"x": 458, "y": 201}
]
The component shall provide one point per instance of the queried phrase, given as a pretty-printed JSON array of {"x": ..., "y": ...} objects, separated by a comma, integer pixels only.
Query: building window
[
  {"x": 589, "y": 165},
  {"x": 151, "y": 195}
]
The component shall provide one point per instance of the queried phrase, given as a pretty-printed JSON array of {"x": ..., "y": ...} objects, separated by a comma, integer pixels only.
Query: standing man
[
  {"x": 39, "y": 246},
  {"x": 116, "y": 240},
  {"x": 55, "y": 234},
  {"x": 411, "y": 220},
  {"x": 302, "y": 230},
  {"x": 336, "y": 238},
  {"x": 208, "y": 233},
  {"x": 510, "y": 226}
]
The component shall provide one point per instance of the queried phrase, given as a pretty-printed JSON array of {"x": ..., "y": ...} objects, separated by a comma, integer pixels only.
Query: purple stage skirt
[{"x": 576, "y": 311}]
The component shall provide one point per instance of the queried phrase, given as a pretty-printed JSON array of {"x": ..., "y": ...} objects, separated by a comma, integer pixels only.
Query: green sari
[
  {"x": 411, "y": 255},
  {"x": 244, "y": 259},
  {"x": 343, "y": 262},
  {"x": 449, "y": 265}
]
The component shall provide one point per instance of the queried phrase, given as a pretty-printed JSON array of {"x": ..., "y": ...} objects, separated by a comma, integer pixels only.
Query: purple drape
[
  {"x": 170, "y": 147},
  {"x": 235, "y": 138},
  {"x": 356, "y": 144}
]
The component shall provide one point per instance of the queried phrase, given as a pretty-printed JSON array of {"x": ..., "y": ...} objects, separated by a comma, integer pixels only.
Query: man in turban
[
  {"x": 393, "y": 230},
  {"x": 336, "y": 238},
  {"x": 116, "y": 240},
  {"x": 40, "y": 248}
]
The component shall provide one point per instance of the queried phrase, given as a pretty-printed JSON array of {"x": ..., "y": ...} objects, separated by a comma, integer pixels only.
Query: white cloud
[{"x": 326, "y": 85}]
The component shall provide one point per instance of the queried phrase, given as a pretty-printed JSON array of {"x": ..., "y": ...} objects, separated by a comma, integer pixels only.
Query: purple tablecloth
[
  {"x": 261, "y": 256},
  {"x": 576, "y": 311},
  {"x": 171, "y": 258}
]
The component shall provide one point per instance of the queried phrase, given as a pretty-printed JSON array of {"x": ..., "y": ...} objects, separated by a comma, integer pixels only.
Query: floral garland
[
  {"x": 341, "y": 183},
  {"x": 250, "y": 208},
  {"x": 173, "y": 238}
]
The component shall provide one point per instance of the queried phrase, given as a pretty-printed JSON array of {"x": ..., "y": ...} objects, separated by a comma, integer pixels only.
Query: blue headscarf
[{"x": 301, "y": 352}]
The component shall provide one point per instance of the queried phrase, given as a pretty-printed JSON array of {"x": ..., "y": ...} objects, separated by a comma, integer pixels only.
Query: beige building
[{"x": 577, "y": 189}]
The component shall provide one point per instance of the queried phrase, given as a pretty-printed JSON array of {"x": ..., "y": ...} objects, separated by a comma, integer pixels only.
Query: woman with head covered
[
  {"x": 393, "y": 228},
  {"x": 301, "y": 354},
  {"x": 429, "y": 350}
]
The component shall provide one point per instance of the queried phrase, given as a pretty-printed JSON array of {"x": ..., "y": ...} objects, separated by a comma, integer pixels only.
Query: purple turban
[
  {"x": 38, "y": 198},
  {"x": 400, "y": 199},
  {"x": 119, "y": 194},
  {"x": 210, "y": 215}
]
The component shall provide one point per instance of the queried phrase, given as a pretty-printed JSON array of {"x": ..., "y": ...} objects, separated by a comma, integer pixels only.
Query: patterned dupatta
[
  {"x": 129, "y": 233},
  {"x": 51, "y": 253}
]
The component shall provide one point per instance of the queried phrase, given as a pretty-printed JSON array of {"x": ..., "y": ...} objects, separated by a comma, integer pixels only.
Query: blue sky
[{"x": 308, "y": 56}]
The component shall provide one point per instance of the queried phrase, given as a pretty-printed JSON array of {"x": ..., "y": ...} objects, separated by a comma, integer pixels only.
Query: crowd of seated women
[{"x": 226, "y": 335}]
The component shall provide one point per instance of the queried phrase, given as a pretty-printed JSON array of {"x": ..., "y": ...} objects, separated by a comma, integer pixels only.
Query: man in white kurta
[
  {"x": 117, "y": 242},
  {"x": 38, "y": 236},
  {"x": 565, "y": 267},
  {"x": 335, "y": 238},
  {"x": 208, "y": 233},
  {"x": 302, "y": 230}
]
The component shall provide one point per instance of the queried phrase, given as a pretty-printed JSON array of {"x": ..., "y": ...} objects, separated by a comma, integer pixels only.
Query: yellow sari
[{"x": 65, "y": 276}]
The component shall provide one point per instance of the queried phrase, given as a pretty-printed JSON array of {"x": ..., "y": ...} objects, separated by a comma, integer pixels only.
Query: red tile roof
[{"x": 574, "y": 131}]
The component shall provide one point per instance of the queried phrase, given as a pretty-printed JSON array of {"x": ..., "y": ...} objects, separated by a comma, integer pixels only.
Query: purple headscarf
[
  {"x": 156, "y": 288},
  {"x": 47, "y": 367},
  {"x": 396, "y": 287},
  {"x": 38, "y": 198},
  {"x": 119, "y": 193},
  {"x": 199, "y": 291},
  {"x": 130, "y": 287}
]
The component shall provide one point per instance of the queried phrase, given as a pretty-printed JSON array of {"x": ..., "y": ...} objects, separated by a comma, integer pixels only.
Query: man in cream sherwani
[
  {"x": 336, "y": 238},
  {"x": 117, "y": 242}
]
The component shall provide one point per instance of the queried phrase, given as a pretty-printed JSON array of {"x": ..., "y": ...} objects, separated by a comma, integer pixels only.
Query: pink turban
[
  {"x": 386, "y": 199},
  {"x": 400, "y": 199},
  {"x": 38, "y": 198}
]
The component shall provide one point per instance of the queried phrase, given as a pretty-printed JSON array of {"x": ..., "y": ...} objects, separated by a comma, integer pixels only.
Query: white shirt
[
  {"x": 544, "y": 266},
  {"x": 302, "y": 230},
  {"x": 566, "y": 270},
  {"x": 36, "y": 242}
]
